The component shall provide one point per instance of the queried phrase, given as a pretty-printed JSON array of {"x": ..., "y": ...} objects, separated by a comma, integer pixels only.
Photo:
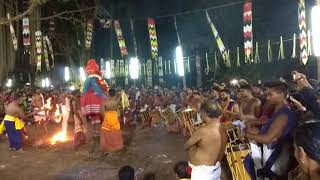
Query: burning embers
[{"x": 59, "y": 137}]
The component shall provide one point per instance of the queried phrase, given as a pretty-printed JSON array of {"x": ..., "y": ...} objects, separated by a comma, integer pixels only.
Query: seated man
[
  {"x": 206, "y": 146},
  {"x": 275, "y": 135}
]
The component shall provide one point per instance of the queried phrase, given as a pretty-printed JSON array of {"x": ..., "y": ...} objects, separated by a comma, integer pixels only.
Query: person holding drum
[
  {"x": 206, "y": 146},
  {"x": 275, "y": 135}
]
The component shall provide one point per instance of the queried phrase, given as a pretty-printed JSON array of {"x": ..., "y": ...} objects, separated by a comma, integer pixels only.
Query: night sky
[{"x": 271, "y": 18}]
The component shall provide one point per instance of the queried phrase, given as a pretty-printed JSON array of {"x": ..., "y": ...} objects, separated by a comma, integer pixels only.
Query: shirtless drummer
[
  {"x": 206, "y": 146},
  {"x": 39, "y": 113}
]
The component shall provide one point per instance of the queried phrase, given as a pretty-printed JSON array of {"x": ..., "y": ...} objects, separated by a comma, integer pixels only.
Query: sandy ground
[{"x": 154, "y": 150}]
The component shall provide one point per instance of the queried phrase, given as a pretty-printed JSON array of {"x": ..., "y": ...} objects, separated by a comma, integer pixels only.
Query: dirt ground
[{"x": 154, "y": 150}]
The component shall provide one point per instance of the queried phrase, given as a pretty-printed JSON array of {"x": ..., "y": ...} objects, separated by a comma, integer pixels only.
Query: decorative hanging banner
[
  {"x": 217, "y": 37},
  {"x": 309, "y": 43},
  {"x": 228, "y": 63},
  {"x": 134, "y": 38},
  {"x": 303, "y": 32},
  {"x": 188, "y": 61},
  {"x": 50, "y": 49},
  {"x": 13, "y": 35},
  {"x": 256, "y": 56},
  {"x": 38, "y": 49},
  {"x": 122, "y": 43},
  {"x": 117, "y": 69},
  {"x": 247, "y": 31},
  {"x": 112, "y": 69},
  {"x": 216, "y": 64},
  {"x": 269, "y": 52},
  {"x": 169, "y": 67},
  {"x": 294, "y": 54},
  {"x": 207, "y": 65},
  {"x": 238, "y": 57},
  {"x": 89, "y": 33},
  {"x": 161, "y": 80},
  {"x": 175, "y": 66},
  {"x": 26, "y": 35},
  {"x": 122, "y": 70},
  {"x": 153, "y": 38},
  {"x": 46, "y": 55},
  {"x": 126, "y": 73},
  {"x": 281, "y": 51},
  {"x": 149, "y": 73}
]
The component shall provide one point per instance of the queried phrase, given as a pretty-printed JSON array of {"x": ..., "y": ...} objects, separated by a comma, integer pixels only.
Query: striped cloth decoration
[
  {"x": 45, "y": 53},
  {"x": 89, "y": 33},
  {"x": 149, "y": 73},
  {"x": 38, "y": 49},
  {"x": 217, "y": 37},
  {"x": 26, "y": 35},
  {"x": 161, "y": 73},
  {"x": 50, "y": 50},
  {"x": 13, "y": 35},
  {"x": 247, "y": 32},
  {"x": 153, "y": 38},
  {"x": 122, "y": 43},
  {"x": 303, "y": 32}
]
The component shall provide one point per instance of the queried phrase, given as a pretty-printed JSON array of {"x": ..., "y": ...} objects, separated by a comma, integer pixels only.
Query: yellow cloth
[
  {"x": 111, "y": 122},
  {"x": 18, "y": 123}
]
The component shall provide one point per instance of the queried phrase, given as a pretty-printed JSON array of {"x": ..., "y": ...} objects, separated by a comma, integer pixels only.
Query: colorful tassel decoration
[
  {"x": 38, "y": 49},
  {"x": 294, "y": 54},
  {"x": 207, "y": 64},
  {"x": 13, "y": 35},
  {"x": 217, "y": 37},
  {"x": 309, "y": 43},
  {"x": 26, "y": 35},
  {"x": 238, "y": 57},
  {"x": 247, "y": 31},
  {"x": 153, "y": 38},
  {"x": 89, "y": 33},
  {"x": 122, "y": 43},
  {"x": 281, "y": 51},
  {"x": 303, "y": 32},
  {"x": 256, "y": 56},
  {"x": 269, "y": 52}
]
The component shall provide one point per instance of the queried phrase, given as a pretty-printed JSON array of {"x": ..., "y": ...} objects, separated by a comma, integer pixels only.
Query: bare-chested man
[
  {"x": 250, "y": 106},
  {"x": 206, "y": 146},
  {"x": 13, "y": 123},
  {"x": 39, "y": 113},
  {"x": 227, "y": 105}
]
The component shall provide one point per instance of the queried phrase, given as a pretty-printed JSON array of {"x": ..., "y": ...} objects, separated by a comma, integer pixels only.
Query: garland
[
  {"x": 247, "y": 31},
  {"x": 26, "y": 35},
  {"x": 153, "y": 38},
  {"x": 303, "y": 32},
  {"x": 122, "y": 43},
  {"x": 13, "y": 35},
  {"x": 38, "y": 49},
  {"x": 89, "y": 33},
  {"x": 217, "y": 37}
]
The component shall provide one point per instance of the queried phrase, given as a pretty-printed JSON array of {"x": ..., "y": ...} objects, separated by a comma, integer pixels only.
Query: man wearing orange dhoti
[{"x": 111, "y": 135}]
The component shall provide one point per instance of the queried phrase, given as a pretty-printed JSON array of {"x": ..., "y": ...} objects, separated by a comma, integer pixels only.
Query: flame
[{"x": 59, "y": 137}]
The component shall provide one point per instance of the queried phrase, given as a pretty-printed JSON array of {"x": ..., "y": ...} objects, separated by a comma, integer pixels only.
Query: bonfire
[{"x": 59, "y": 137}]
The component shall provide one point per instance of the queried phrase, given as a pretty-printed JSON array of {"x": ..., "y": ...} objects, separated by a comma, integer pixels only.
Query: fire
[{"x": 59, "y": 137}]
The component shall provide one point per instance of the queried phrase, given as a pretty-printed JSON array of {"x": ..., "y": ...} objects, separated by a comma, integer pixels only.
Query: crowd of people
[{"x": 278, "y": 119}]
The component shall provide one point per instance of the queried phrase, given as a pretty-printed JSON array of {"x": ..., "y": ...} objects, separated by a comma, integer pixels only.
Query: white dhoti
[
  {"x": 40, "y": 115},
  {"x": 279, "y": 167},
  {"x": 206, "y": 172}
]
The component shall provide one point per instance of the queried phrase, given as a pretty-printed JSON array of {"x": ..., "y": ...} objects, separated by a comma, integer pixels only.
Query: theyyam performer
[{"x": 95, "y": 89}]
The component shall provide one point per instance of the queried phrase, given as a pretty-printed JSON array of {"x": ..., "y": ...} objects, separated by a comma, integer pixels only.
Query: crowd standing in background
[{"x": 278, "y": 120}]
